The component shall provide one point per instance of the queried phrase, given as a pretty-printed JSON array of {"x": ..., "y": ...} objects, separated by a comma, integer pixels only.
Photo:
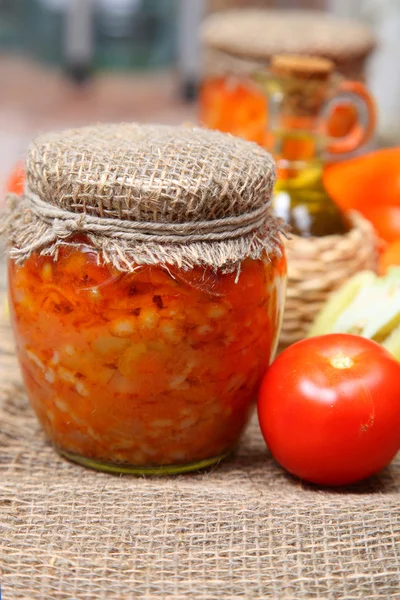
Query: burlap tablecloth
[{"x": 242, "y": 530}]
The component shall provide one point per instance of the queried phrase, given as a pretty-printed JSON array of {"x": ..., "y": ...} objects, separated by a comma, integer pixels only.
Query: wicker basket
[{"x": 318, "y": 266}]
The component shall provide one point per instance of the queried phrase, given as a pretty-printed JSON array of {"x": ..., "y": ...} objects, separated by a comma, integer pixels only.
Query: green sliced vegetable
[
  {"x": 338, "y": 302},
  {"x": 392, "y": 343},
  {"x": 367, "y": 305}
]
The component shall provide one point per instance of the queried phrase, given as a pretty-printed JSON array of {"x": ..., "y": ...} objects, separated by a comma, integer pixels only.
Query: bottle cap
[{"x": 304, "y": 67}]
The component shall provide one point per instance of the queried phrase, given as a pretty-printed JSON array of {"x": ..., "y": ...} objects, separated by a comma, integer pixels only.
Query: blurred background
[{"x": 70, "y": 62}]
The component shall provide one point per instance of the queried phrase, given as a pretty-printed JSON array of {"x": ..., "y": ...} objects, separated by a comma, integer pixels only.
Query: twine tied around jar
[{"x": 147, "y": 195}]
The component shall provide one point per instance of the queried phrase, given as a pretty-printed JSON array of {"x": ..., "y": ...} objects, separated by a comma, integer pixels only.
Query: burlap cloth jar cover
[
  {"x": 238, "y": 42},
  {"x": 147, "y": 195}
]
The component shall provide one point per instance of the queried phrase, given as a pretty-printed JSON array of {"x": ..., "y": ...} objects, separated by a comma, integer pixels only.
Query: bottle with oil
[{"x": 304, "y": 99}]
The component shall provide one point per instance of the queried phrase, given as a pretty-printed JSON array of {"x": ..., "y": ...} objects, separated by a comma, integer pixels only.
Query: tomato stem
[{"x": 341, "y": 361}]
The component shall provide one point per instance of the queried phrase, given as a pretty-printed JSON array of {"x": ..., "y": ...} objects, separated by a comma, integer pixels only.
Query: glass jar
[
  {"x": 240, "y": 42},
  {"x": 157, "y": 367},
  {"x": 235, "y": 105},
  {"x": 151, "y": 369}
]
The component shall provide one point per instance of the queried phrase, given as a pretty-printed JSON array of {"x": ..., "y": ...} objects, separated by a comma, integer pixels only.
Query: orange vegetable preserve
[
  {"x": 234, "y": 105},
  {"x": 146, "y": 286},
  {"x": 154, "y": 367},
  {"x": 238, "y": 106}
]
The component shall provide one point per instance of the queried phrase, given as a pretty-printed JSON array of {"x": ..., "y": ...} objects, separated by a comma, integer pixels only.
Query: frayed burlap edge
[{"x": 28, "y": 233}]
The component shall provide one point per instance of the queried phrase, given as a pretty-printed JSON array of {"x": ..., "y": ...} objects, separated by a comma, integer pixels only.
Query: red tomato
[{"x": 329, "y": 409}]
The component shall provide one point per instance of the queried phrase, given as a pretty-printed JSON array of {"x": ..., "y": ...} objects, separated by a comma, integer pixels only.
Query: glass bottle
[{"x": 303, "y": 94}]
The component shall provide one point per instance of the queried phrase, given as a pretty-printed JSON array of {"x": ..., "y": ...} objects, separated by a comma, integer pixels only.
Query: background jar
[
  {"x": 239, "y": 43},
  {"x": 133, "y": 363}
]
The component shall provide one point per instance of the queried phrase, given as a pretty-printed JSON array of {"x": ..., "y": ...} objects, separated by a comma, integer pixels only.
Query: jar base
[{"x": 141, "y": 470}]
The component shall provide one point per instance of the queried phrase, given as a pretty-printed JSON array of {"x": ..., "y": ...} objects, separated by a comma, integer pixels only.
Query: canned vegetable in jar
[{"x": 146, "y": 284}]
